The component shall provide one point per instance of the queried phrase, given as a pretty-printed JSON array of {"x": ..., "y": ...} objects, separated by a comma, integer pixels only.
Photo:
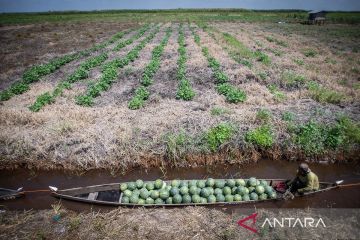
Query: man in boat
[{"x": 305, "y": 180}]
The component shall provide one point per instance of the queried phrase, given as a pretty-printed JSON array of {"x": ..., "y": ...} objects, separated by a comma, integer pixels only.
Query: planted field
[{"x": 184, "y": 93}]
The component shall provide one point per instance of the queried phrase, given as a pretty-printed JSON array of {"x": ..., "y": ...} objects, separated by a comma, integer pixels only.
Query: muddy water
[{"x": 341, "y": 198}]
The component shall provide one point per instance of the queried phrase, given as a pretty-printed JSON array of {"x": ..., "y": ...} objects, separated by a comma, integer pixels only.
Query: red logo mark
[{"x": 251, "y": 217}]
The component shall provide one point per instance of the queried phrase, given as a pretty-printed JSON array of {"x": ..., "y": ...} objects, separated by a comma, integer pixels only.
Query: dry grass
[{"x": 181, "y": 223}]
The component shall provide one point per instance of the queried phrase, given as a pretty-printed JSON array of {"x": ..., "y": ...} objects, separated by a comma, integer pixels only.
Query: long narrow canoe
[
  {"x": 8, "y": 194},
  {"x": 110, "y": 194}
]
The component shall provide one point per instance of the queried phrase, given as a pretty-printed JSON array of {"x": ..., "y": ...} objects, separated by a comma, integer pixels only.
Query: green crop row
[
  {"x": 36, "y": 72},
  {"x": 80, "y": 73},
  {"x": 231, "y": 93},
  {"x": 133, "y": 38},
  {"x": 185, "y": 90},
  {"x": 110, "y": 72},
  {"x": 141, "y": 93}
]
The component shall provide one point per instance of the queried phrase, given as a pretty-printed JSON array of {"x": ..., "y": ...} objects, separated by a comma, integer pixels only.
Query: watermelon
[
  {"x": 264, "y": 183},
  {"x": 205, "y": 193},
  {"x": 226, "y": 190},
  {"x": 127, "y": 193},
  {"x": 186, "y": 198},
  {"x": 219, "y": 183},
  {"x": 123, "y": 187},
  {"x": 184, "y": 190},
  {"x": 177, "y": 199},
  {"x": 201, "y": 184},
  {"x": 134, "y": 199},
  {"x": 195, "y": 198},
  {"x": 210, "y": 182},
  {"x": 192, "y": 183},
  {"x": 241, "y": 190},
  {"x": 257, "y": 182},
  {"x": 251, "y": 189},
  {"x": 229, "y": 198},
  {"x": 272, "y": 195},
  {"x": 247, "y": 191},
  {"x": 263, "y": 196},
  {"x": 220, "y": 198},
  {"x": 203, "y": 200},
  {"x": 149, "y": 186},
  {"x": 159, "y": 201},
  {"x": 141, "y": 201},
  {"x": 183, "y": 183},
  {"x": 154, "y": 194},
  {"x": 175, "y": 183},
  {"x": 234, "y": 190},
  {"x": 259, "y": 189},
  {"x": 268, "y": 190},
  {"x": 254, "y": 196},
  {"x": 167, "y": 188},
  {"x": 211, "y": 190},
  {"x": 237, "y": 198},
  {"x": 139, "y": 183},
  {"x": 158, "y": 184},
  {"x": 230, "y": 183},
  {"x": 136, "y": 192},
  {"x": 198, "y": 190},
  {"x": 169, "y": 200},
  {"x": 252, "y": 182},
  {"x": 193, "y": 190},
  {"x": 218, "y": 191},
  {"x": 144, "y": 193},
  {"x": 211, "y": 199},
  {"x": 246, "y": 197},
  {"x": 164, "y": 194},
  {"x": 240, "y": 182},
  {"x": 174, "y": 191},
  {"x": 131, "y": 186},
  {"x": 149, "y": 200},
  {"x": 125, "y": 199}
]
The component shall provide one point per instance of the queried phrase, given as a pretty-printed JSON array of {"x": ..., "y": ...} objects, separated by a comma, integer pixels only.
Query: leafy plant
[
  {"x": 309, "y": 52},
  {"x": 288, "y": 116},
  {"x": 262, "y": 57},
  {"x": 264, "y": 115},
  {"x": 217, "y": 111},
  {"x": 41, "y": 100},
  {"x": 218, "y": 135},
  {"x": 324, "y": 95},
  {"x": 292, "y": 80},
  {"x": 185, "y": 91},
  {"x": 261, "y": 136}
]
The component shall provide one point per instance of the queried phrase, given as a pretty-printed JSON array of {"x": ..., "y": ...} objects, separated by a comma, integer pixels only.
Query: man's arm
[{"x": 309, "y": 185}]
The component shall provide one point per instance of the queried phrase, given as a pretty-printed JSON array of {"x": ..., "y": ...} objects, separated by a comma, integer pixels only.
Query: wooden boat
[
  {"x": 7, "y": 194},
  {"x": 110, "y": 194}
]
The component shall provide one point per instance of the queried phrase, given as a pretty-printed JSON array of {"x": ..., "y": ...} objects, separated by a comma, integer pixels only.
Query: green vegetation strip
[
  {"x": 110, "y": 72},
  {"x": 232, "y": 93},
  {"x": 142, "y": 93},
  {"x": 36, "y": 72},
  {"x": 82, "y": 72},
  {"x": 236, "y": 49},
  {"x": 185, "y": 91}
]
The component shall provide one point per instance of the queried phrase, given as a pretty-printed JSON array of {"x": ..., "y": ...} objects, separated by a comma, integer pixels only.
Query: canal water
[{"x": 347, "y": 197}]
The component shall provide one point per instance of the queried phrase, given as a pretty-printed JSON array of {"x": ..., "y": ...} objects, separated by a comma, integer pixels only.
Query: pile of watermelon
[{"x": 196, "y": 191}]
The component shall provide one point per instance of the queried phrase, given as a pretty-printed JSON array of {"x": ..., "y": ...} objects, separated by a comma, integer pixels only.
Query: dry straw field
[{"x": 177, "y": 92}]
